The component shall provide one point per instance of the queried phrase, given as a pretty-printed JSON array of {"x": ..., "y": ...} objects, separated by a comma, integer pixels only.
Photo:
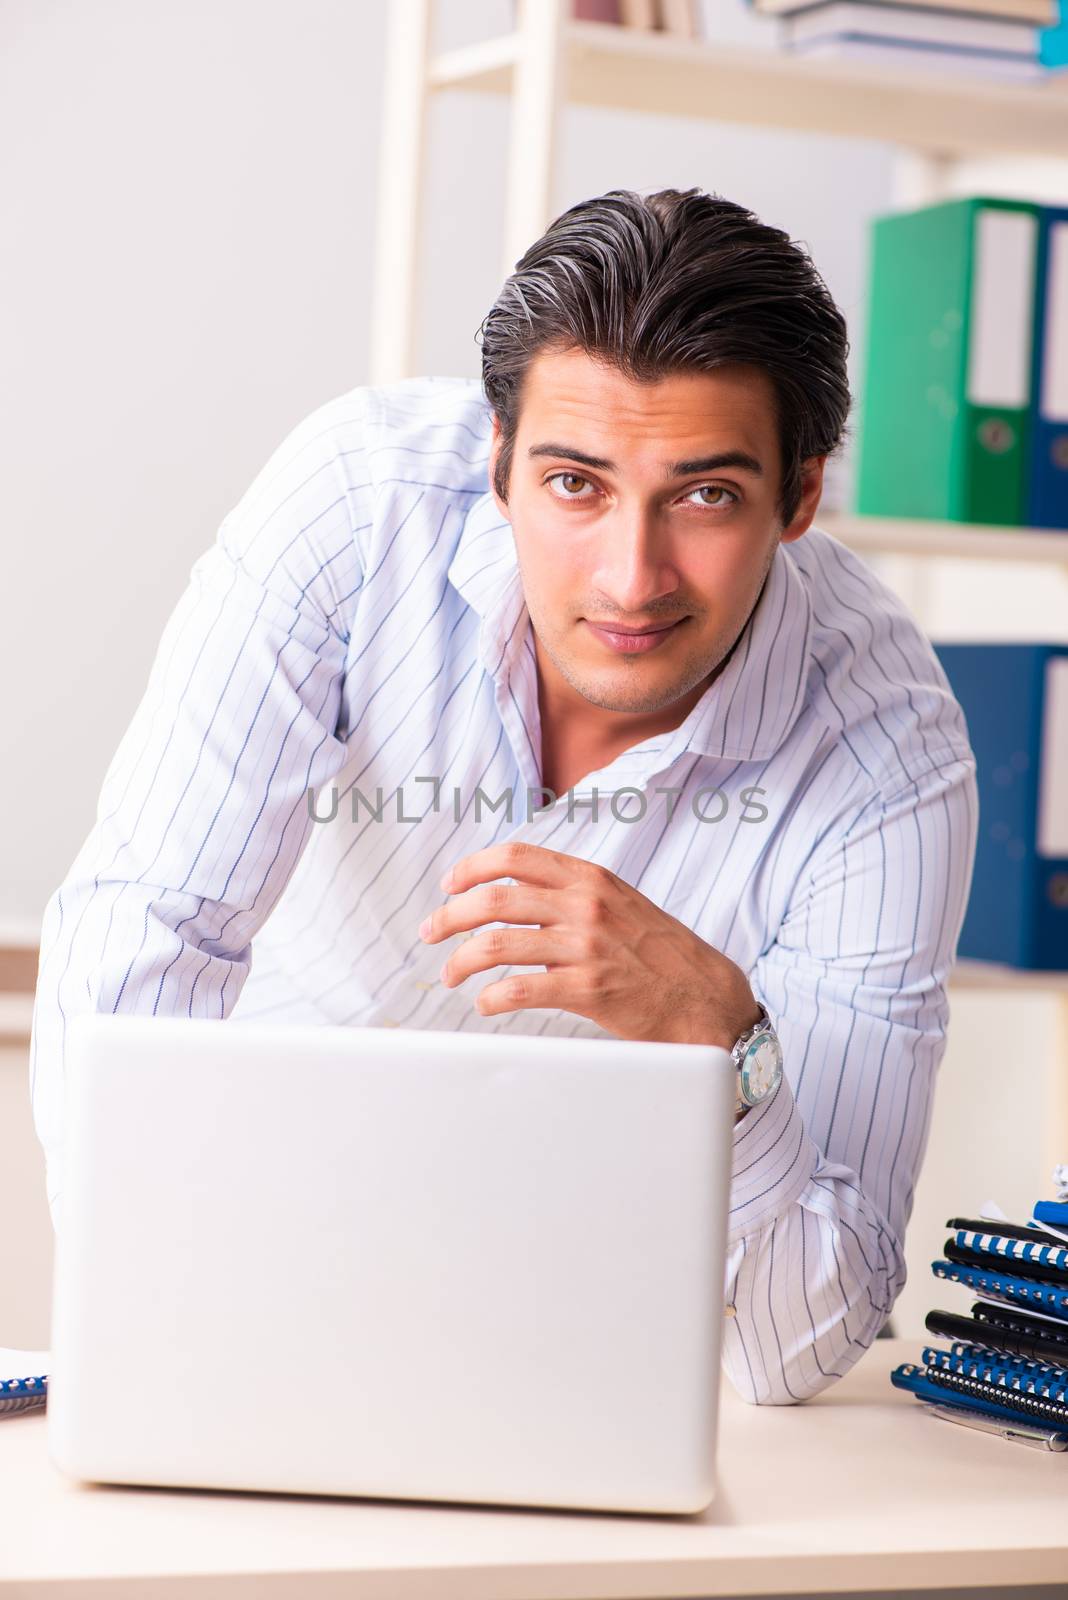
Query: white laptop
[{"x": 391, "y": 1263}]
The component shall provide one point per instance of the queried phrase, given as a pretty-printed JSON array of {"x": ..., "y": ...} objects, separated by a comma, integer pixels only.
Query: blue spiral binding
[
  {"x": 1005, "y": 1249},
  {"x": 22, "y": 1394},
  {"x": 1032, "y": 1291},
  {"x": 1006, "y": 1372}
]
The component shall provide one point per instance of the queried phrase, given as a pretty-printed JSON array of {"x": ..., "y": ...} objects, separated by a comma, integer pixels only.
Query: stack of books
[
  {"x": 964, "y": 416},
  {"x": 1001, "y": 38},
  {"x": 667, "y": 16},
  {"x": 1019, "y": 39},
  {"x": 1004, "y": 1366}
]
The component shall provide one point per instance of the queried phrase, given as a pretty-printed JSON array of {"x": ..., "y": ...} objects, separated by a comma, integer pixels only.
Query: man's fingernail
[
  {"x": 424, "y": 927},
  {"x": 446, "y": 882}
]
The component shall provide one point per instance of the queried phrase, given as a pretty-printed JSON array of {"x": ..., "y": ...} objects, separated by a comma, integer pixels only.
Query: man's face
[{"x": 620, "y": 517}]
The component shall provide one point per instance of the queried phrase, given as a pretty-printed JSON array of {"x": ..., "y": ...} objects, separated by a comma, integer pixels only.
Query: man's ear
[{"x": 808, "y": 505}]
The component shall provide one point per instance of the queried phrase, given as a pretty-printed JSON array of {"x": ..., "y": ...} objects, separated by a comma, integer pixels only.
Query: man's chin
[{"x": 616, "y": 689}]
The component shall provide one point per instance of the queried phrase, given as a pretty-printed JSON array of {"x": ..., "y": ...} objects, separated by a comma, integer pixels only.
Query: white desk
[{"x": 855, "y": 1490}]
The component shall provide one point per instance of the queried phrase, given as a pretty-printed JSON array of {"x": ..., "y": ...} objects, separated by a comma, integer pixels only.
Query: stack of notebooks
[
  {"x": 1016, "y": 39},
  {"x": 1003, "y": 1367},
  {"x": 964, "y": 416}
]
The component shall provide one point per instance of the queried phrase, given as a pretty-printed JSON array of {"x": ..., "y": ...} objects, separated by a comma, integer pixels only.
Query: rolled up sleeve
[
  {"x": 824, "y": 1172},
  {"x": 202, "y": 816}
]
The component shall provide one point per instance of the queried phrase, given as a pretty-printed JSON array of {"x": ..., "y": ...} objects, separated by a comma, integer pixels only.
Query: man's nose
[{"x": 634, "y": 566}]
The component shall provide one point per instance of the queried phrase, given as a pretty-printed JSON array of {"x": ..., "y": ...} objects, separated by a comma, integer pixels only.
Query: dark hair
[{"x": 670, "y": 282}]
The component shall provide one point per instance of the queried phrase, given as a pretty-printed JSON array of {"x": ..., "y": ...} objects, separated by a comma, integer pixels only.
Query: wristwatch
[{"x": 758, "y": 1056}]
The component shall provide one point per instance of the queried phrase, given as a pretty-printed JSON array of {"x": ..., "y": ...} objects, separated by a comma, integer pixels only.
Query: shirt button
[{"x": 729, "y": 1311}]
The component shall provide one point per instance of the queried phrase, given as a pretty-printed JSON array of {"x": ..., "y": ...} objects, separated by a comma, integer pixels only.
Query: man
[{"x": 694, "y": 776}]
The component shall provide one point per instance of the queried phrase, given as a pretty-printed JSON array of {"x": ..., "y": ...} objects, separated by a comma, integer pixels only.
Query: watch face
[{"x": 761, "y": 1068}]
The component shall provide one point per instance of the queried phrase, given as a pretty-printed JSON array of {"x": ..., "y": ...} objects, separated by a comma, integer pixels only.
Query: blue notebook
[
  {"x": 1010, "y": 1389},
  {"x": 1031, "y": 1250},
  {"x": 23, "y": 1380},
  {"x": 22, "y": 1394},
  {"x": 1045, "y": 1297}
]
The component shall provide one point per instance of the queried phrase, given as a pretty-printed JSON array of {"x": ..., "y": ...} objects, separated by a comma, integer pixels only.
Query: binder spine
[
  {"x": 1048, "y": 473},
  {"x": 1002, "y": 689},
  {"x": 916, "y": 337},
  {"x": 1051, "y": 825},
  {"x": 998, "y": 382}
]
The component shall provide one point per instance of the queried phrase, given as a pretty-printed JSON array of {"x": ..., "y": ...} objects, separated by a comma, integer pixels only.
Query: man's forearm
[{"x": 812, "y": 1269}]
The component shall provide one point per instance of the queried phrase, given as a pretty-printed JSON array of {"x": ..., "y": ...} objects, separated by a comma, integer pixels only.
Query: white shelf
[
  {"x": 625, "y": 69},
  {"x": 988, "y": 975},
  {"x": 16, "y": 1017},
  {"x": 965, "y": 541}
]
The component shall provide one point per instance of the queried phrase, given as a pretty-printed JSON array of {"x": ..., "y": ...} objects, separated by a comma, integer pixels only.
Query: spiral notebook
[
  {"x": 1031, "y": 1338},
  {"x": 997, "y": 1318},
  {"x": 23, "y": 1380},
  {"x": 1018, "y": 1267},
  {"x": 1004, "y": 1386},
  {"x": 1046, "y": 1256},
  {"x": 1050, "y": 1299}
]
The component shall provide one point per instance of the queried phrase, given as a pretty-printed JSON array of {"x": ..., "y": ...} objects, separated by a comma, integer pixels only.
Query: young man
[{"x": 560, "y": 675}]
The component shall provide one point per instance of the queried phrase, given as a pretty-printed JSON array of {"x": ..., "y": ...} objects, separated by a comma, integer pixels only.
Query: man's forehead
[{"x": 732, "y": 408}]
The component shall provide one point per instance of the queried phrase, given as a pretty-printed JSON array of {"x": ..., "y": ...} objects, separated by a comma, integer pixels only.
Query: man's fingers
[
  {"x": 501, "y": 947},
  {"x": 494, "y": 902},
  {"x": 527, "y": 863},
  {"x": 523, "y": 992}
]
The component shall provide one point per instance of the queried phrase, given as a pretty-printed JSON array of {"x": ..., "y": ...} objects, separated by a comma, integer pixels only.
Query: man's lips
[{"x": 630, "y": 639}]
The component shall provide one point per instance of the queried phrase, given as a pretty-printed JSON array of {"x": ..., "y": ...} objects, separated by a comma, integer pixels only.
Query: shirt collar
[{"x": 744, "y": 715}]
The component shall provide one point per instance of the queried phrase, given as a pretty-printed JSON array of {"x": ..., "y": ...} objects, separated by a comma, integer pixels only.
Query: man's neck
[{"x": 578, "y": 738}]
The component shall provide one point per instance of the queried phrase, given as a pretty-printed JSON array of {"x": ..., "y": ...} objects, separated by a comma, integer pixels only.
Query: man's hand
[{"x": 610, "y": 954}]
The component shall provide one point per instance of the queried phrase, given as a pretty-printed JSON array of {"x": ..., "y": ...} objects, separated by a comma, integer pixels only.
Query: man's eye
[
  {"x": 573, "y": 477},
  {"x": 716, "y": 489},
  {"x": 724, "y": 496}
]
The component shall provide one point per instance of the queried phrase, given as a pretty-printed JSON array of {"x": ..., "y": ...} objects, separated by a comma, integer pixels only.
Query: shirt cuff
[{"x": 773, "y": 1159}]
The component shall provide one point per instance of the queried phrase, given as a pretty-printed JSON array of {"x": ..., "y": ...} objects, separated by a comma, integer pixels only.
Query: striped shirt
[{"x": 344, "y": 702}]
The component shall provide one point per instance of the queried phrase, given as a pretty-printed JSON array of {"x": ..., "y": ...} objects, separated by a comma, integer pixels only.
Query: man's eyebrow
[{"x": 680, "y": 469}]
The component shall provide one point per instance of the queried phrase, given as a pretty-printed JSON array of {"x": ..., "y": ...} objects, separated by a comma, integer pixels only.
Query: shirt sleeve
[
  {"x": 824, "y": 1172},
  {"x": 203, "y": 814}
]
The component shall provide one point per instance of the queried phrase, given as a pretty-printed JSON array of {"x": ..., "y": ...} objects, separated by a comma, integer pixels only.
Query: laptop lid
[{"x": 391, "y": 1262}]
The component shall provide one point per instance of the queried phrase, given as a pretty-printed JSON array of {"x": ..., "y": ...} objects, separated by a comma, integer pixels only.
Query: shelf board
[
  {"x": 16, "y": 1018},
  {"x": 626, "y": 69},
  {"x": 988, "y": 975},
  {"x": 965, "y": 541},
  {"x": 16, "y": 1009}
]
